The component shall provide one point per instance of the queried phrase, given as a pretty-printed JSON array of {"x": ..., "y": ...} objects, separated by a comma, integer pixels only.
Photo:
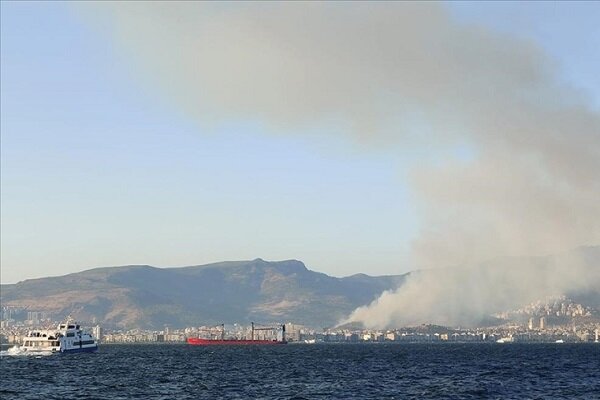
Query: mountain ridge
[
  {"x": 143, "y": 296},
  {"x": 230, "y": 291}
]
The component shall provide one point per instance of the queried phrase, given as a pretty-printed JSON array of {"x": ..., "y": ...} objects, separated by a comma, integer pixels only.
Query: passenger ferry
[{"x": 67, "y": 338}]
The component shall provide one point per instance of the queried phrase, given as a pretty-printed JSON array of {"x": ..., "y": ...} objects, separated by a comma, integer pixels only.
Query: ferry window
[
  {"x": 71, "y": 327},
  {"x": 70, "y": 334}
]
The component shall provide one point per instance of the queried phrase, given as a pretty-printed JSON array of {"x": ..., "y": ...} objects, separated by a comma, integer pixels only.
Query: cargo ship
[{"x": 252, "y": 341}]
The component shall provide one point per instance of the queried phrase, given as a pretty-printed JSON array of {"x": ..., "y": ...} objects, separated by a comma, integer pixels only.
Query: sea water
[{"x": 321, "y": 371}]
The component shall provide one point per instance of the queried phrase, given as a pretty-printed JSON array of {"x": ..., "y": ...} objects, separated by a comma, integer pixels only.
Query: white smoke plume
[
  {"x": 469, "y": 295},
  {"x": 407, "y": 73}
]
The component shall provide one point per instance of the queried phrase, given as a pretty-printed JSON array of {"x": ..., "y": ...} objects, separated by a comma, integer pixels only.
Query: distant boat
[
  {"x": 507, "y": 339},
  {"x": 559, "y": 341},
  {"x": 228, "y": 342},
  {"x": 67, "y": 338}
]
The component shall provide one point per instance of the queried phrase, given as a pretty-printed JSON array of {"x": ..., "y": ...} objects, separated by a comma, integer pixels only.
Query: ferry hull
[
  {"x": 81, "y": 350},
  {"x": 234, "y": 342}
]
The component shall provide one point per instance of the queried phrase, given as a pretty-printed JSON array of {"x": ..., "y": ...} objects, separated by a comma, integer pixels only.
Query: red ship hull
[{"x": 213, "y": 342}]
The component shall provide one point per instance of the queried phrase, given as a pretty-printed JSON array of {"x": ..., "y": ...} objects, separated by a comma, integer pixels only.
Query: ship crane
[
  {"x": 269, "y": 328},
  {"x": 211, "y": 330}
]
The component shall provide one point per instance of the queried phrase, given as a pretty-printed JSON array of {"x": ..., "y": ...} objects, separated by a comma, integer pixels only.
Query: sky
[{"x": 122, "y": 145}]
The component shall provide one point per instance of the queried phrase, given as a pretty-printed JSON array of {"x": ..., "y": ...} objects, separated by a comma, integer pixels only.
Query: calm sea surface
[{"x": 377, "y": 371}]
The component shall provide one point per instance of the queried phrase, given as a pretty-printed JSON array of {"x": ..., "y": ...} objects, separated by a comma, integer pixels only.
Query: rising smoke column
[
  {"x": 469, "y": 295},
  {"x": 401, "y": 73}
]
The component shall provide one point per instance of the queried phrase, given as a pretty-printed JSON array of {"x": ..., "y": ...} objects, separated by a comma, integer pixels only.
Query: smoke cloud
[
  {"x": 470, "y": 295},
  {"x": 403, "y": 73}
]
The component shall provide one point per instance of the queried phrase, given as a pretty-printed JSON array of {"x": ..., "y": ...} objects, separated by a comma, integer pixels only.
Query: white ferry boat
[{"x": 67, "y": 338}]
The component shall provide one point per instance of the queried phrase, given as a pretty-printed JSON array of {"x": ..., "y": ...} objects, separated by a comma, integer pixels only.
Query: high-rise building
[
  {"x": 530, "y": 324},
  {"x": 33, "y": 317},
  {"x": 97, "y": 333},
  {"x": 542, "y": 323}
]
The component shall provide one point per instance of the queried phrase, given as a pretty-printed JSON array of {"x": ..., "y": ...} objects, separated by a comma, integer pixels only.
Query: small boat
[
  {"x": 67, "y": 338},
  {"x": 559, "y": 341}
]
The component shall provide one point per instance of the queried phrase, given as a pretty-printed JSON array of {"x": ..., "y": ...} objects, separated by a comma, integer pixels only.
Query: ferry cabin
[{"x": 41, "y": 341}]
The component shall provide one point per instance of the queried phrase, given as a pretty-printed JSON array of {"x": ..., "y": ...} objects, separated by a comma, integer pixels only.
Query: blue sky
[{"x": 99, "y": 169}]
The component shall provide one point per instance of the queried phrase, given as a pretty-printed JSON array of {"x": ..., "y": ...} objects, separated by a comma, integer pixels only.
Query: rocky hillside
[{"x": 148, "y": 297}]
